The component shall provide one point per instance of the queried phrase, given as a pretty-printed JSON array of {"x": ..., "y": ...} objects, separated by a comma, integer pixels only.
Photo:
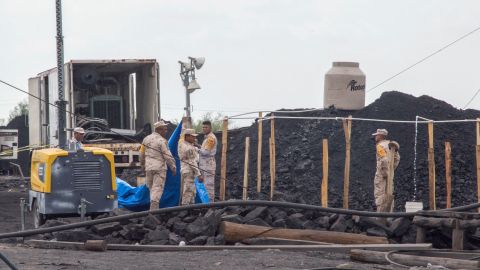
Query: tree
[{"x": 20, "y": 109}]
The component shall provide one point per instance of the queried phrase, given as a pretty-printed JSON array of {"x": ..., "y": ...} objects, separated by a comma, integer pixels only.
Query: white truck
[{"x": 115, "y": 101}]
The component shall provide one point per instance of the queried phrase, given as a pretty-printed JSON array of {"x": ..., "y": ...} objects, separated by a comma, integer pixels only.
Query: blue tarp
[
  {"x": 138, "y": 198},
  {"x": 171, "y": 192},
  {"x": 132, "y": 198}
]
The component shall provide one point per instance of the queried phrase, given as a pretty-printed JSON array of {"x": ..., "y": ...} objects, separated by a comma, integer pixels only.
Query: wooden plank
[
  {"x": 448, "y": 173},
  {"x": 96, "y": 245},
  {"x": 234, "y": 232},
  {"x": 411, "y": 260},
  {"x": 279, "y": 241},
  {"x": 433, "y": 223},
  {"x": 259, "y": 152},
  {"x": 245, "y": 169},
  {"x": 324, "y": 193},
  {"x": 223, "y": 169},
  {"x": 347, "y": 128},
  {"x": 159, "y": 248},
  {"x": 477, "y": 155},
  {"x": 421, "y": 234},
  {"x": 431, "y": 168},
  {"x": 458, "y": 236}
]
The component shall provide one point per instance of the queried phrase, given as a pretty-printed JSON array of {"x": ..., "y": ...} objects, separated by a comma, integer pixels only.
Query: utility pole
[{"x": 61, "y": 103}]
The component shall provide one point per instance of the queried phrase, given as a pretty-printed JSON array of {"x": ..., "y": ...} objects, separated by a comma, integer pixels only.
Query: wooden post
[
  {"x": 324, "y": 195},
  {"x": 431, "y": 168},
  {"x": 448, "y": 173},
  {"x": 272, "y": 182},
  {"x": 458, "y": 234},
  {"x": 259, "y": 153},
  {"x": 245, "y": 169},
  {"x": 347, "y": 127},
  {"x": 273, "y": 153},
  {"x": 477, "y": 148},
  {"x": 223, "y": 169}
]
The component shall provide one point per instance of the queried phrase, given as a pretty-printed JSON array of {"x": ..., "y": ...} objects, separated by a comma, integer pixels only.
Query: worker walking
[
  {"x": 380, "y": 181},
  {"x": 155, "y": 156},
  {"x": 207, "y": 159},
  {"x": 188, "y": 154},
  {"x": 75, "y": 142}
]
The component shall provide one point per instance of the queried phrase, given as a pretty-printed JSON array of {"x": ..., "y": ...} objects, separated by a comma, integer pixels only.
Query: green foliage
[
  {"x": 215, "y": 118},
  {"x": 20, "y": 109}
]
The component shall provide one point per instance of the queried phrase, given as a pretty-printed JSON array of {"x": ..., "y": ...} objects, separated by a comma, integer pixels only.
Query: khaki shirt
[
  {"x": 382, "y": 155},
  {"x": 209, "y": 146},
  {"x": 188, "y": 153},
  {"x": 155, "y": 153}
]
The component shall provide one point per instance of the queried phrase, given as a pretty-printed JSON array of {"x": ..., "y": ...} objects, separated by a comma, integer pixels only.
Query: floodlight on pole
[{"x": 187, "y": 74}]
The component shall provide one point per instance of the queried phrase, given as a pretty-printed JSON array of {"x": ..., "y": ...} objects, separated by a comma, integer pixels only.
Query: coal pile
[
  {"x": 299, "y": 154},
  {"x": 202, "y": 227}
]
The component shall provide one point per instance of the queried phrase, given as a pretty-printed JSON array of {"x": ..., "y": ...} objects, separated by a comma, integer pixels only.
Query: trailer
[{"x": 115, "y": 101}]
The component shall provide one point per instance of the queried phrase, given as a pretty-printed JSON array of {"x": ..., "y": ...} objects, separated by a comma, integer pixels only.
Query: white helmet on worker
[{"x": 380, "y": 131}]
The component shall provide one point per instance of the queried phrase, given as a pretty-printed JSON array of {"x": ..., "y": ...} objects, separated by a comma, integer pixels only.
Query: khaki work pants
[
  {"x": 188, "y": 194},
  {"x": 207, "y": 168},
  {"x": 155, "y": 181},
  {"x": 380, "y": 189}
]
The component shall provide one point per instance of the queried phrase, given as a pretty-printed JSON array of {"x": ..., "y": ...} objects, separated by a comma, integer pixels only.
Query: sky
[{"x": 260, "y": 55}]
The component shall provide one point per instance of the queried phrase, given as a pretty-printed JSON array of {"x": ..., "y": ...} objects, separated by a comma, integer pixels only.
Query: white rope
[{"x": 359, "y": 119}]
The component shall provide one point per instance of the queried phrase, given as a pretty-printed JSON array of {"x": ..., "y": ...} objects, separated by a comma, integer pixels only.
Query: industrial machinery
[{"x": 71, "y": 183}]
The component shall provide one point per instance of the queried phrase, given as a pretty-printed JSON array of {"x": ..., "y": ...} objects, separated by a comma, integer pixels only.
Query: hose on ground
[
  {"x": 7, "y": 262},
  {"x": 222, "y": 204}
]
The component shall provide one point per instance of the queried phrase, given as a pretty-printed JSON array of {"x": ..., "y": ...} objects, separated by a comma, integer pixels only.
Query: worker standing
[
  {"x": 207, "y": 162},
  {"x": 75, "y": 142},
  {"x": 188, "y": 154},
  {"x": 155, "y": 156},
  {"x": 381, "y": 174}
]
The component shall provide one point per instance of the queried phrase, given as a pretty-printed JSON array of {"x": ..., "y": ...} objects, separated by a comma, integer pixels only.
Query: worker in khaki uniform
[
  {"x": 380, "y": 181},
  {"x": 155, "y": 157},
  {"x": 207, "y": 162},
  {"x": 188, "y": 154}
]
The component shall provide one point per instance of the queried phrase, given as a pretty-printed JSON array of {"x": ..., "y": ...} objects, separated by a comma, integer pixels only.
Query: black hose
[
  {"x": 220, "y": 204},
  {"x": 7, "y": 262}
]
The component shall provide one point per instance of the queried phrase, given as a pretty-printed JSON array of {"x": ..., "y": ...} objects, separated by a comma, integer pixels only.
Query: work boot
[{"x": 154, "y": 205}]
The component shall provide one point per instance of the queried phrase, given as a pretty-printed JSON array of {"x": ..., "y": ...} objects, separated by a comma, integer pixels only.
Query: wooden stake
[
  {"x": 273, "y": 153},
  {"x": 477, "y": 148},
  {"x": 245, "y": 169},
  {"x": 272, "y": 182},
  {"x": 448, "y": 173},
  {"x": 259, "y": 153},
  {"x": 347, "y": 127},
  {"x": 223, "y": 169},
  {"x": 324, "y": 195},
  {"x": 431, "y": 168}
]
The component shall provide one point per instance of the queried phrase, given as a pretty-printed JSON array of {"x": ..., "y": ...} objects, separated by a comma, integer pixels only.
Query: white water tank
[{"x": 344, "y": 86}]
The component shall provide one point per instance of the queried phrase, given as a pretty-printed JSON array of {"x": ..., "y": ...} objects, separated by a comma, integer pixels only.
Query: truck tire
[{"x": 38, "y": 218}]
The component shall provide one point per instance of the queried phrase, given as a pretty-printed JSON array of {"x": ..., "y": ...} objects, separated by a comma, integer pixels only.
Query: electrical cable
[
  {"x": 470, "y": 101},
  {"x": 224, "y": 204},
  {"x": 7, "y": 262},
  {"x": 424, "y": 59}
]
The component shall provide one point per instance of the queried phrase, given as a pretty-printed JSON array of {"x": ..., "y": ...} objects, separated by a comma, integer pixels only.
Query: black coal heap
[{"x": 299, "y": 154}]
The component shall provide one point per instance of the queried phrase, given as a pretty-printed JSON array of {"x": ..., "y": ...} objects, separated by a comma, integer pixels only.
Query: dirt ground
[{"x": 24, "y": 257}]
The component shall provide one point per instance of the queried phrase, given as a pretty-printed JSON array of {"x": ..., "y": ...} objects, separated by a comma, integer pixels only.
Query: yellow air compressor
[{"x": 67, "y": 183}]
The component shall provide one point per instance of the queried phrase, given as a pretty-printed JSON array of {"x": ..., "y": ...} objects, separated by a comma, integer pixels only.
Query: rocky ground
[{"x": 299, "y": 154}]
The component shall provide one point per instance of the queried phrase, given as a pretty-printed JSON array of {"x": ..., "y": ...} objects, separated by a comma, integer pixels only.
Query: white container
[
  {"x": 344, "y": 86},
  {"x": 413, "y": 206}
]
